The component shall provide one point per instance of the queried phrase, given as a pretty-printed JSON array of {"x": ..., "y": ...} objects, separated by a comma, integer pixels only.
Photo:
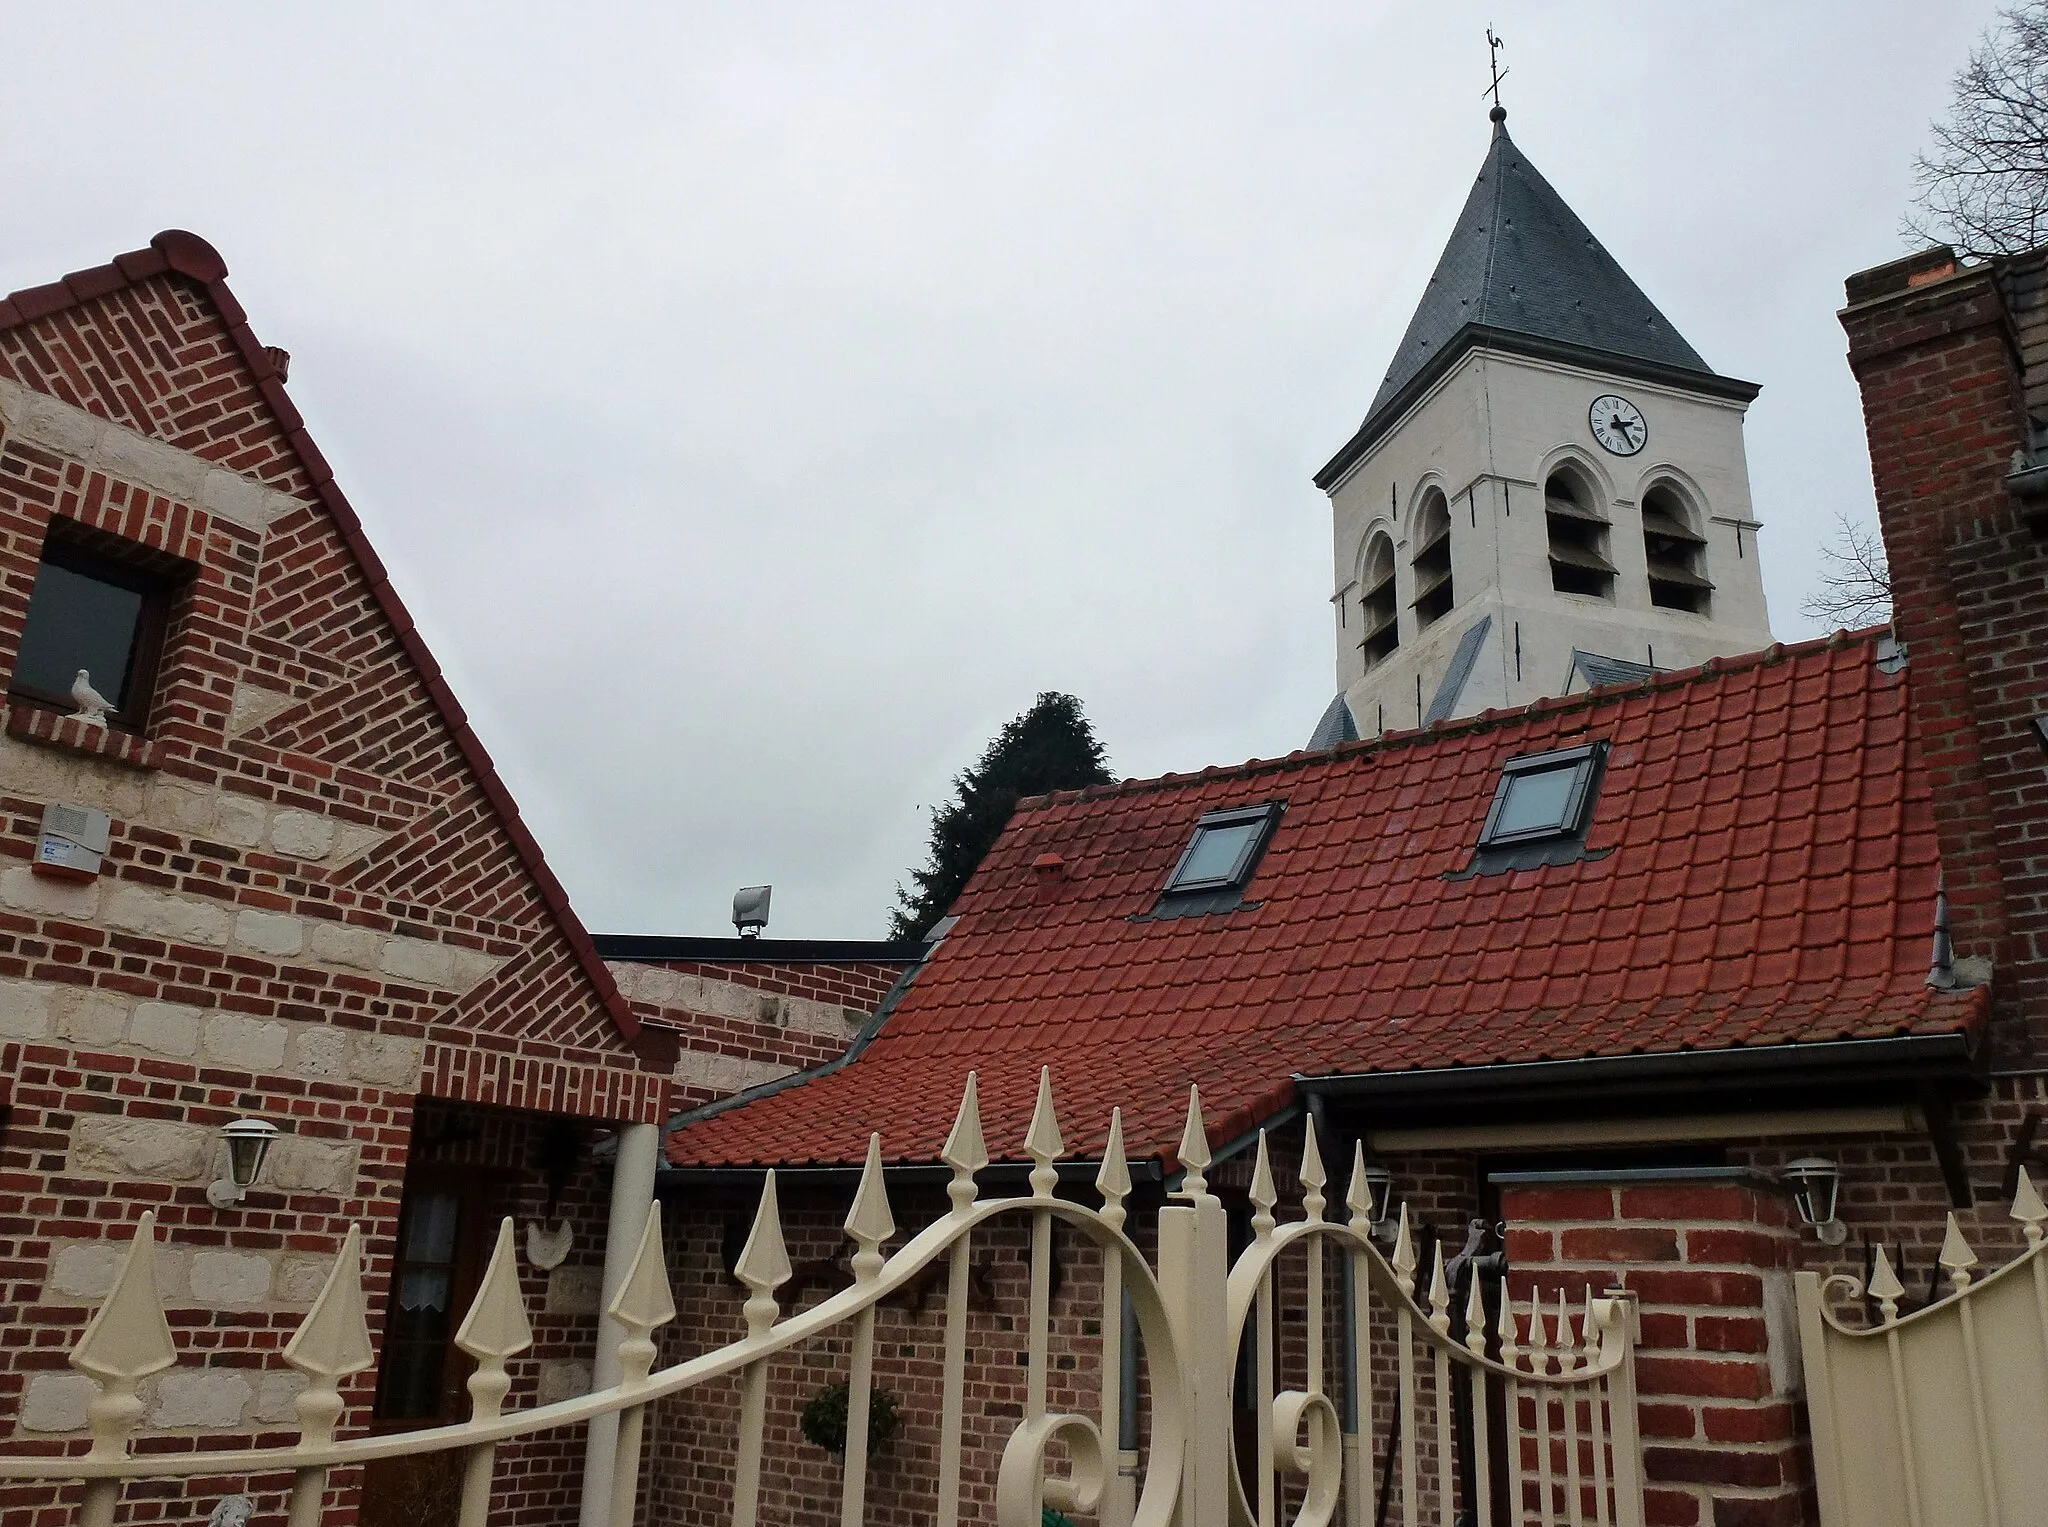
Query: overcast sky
[{"x": 758, "y": 404}]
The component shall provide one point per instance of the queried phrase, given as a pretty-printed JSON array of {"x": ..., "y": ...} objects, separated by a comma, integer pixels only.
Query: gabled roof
[
  {"x": 1523, "y": 273},
  {"x": 178, "y": 253},
  {"x": 1761, "y": 872}
]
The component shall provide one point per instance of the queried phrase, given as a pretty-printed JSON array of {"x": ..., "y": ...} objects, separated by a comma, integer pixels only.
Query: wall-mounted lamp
[
  {"x": 248, "y": 1142},
  {"x": 1379, "y": 1192},
  {"x": 1815, "y": 1182}
]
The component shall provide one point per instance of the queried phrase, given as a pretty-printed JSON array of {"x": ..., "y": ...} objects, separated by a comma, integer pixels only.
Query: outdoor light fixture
[
  {"x": 248, "y": 1142},
  {"x": 1379, "y": 1192},
  {"x": 1815, "y": 1181}
]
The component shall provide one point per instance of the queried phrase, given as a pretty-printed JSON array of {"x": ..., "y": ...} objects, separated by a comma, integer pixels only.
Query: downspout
[{"x": 632, "y": 1195}]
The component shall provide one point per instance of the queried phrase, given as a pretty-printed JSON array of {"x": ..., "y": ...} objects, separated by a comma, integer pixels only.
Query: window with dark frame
[
  {"x": 100, "y": 606},
  {"x": 1224, "y": 850},
  {"x": 1544, "y": 796}
]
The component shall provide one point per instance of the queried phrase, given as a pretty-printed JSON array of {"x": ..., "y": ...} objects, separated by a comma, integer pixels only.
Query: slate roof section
[
  {"x": 1522, "y": 272},
  {"x": 1765, "y": 876},
  {"x": 1335, "y": 726},
  {"x": 1599, "y": 672}
]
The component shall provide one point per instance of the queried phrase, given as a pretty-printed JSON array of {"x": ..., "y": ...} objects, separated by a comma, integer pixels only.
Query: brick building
[
  {"x": 281, "y": 881},
  {"x": 1595, "y": 970}
]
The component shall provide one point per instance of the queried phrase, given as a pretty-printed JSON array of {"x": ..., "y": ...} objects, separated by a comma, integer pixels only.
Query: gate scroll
[
  {"x": 1934, "y": 1419},
  {"x": 1570, "y": 1435}
]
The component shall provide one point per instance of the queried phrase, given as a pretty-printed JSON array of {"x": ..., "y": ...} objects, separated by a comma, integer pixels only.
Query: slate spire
[{"x": 1520, "y": 263}]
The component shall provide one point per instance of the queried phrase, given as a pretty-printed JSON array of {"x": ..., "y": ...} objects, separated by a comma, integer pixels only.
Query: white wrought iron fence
[
  {"x": 1565, "y": 1393},
  {"x": 1938, "y": 1418}
]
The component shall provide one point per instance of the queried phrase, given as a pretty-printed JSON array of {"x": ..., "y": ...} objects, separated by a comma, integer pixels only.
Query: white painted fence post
[
  {"x": 632, "y": 1192},
  {"x": 1194, "y": 1280}
]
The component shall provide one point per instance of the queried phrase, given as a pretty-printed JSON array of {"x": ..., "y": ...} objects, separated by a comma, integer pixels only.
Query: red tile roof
[
  {"x": 186, "y": 254},
  {"x": 1768, "y": 878}
]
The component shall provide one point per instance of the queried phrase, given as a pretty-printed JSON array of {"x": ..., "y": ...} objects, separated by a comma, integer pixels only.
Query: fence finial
[
  {"x": 1042, "y": 1142},
  {"x": 2028, "y": 1209},
  {"x": 1956, "y": 1255},
  {"x": 1194, "y": 1149},
  {"x": 1404, "y": 1254},
  {"x": 1567, "y": 1343},
  {"x": 126, "y": 1341},
  {"x": 332, "y": 1342},
  {"x": 495, "y": 1327},
  {"x": 1312, "y": 1174},
  {"x": 1357, "y": 1195},
  {"x": 1113, "y": 1179},
  {"x": 965, "y": 1152},
  {"x": 1885, "y": 1287},
  {"x": 1475, "y": 1316},
  {"x": 1504, "y": 1328},
  {"x": 644, "y": 1299},
  {"x": 764, "y": 1261},
  {"x": 1263, "y": 1194},
  {"x": 1539, "y": 1339},
  {"x": 1439, "y": 1294},
  {"x": 869, "y": 1221}
]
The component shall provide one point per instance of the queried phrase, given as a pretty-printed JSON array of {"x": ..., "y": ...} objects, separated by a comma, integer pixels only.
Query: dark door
[{"x": 421, "y": 1373}]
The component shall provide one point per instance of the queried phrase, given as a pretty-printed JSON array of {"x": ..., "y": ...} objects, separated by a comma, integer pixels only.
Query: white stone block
[
  {"x": 201, "y": 1399},
  {"x": 275, "y": 1392},
  {"x": 300, "y": 1164},
  {"x": 317, "y": 1051},
  {"x": 156, "y": 1150},
  {"x": 24, "y": 1010},
  {"x": 91, "y": 1017},
  {"x": 23, "y": 889},
  {"x": 419, "y": 960},
  {"x": 59, "y": 425},
  {"x": 302, "y": 834},
  {"x": 249, "y": 1044},
  {"x": 575, "y": 1290},
  {"x": 183, "y": 919},
  {"x": 252, "y": 706},
  {"x": 270, "y": 933},
  {"x": 169, "y": 1028},
  {"x": 152, "y": 463},
  {"x": 180, "y": 806},
  {"x": 338, "y": 944},
  {"x": 56, "y": 1402},
  {"x": 239, "y": 821},
  {"x": 385, "y": 1060},
  {"x": 300, "y": 1278},
  {"x": 85, "y": 1269},
  {"x": 234, "y": 1280},
  {"x": 352, "y": 842},
  {"x": 563, "y": 1378},
  {"x": 235, "y": 497}
]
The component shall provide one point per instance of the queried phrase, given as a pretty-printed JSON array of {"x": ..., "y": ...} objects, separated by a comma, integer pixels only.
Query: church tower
[{"x": 1549, "y": 491}]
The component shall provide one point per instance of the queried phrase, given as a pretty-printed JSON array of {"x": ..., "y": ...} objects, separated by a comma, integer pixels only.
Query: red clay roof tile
[{"x": 1769, "y": 878}]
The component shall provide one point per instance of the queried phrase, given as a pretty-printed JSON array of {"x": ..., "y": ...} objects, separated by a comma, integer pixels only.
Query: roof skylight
[
  {"x": 1545, "y": 795},
  {"x": 1224, "y": 849}
]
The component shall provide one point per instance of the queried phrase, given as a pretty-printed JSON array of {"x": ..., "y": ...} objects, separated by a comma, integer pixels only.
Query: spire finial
[{"x": 1494, "y": 42}]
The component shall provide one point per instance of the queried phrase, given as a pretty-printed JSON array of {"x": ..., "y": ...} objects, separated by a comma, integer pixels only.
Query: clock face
[{"x": 1618, "y": 425}]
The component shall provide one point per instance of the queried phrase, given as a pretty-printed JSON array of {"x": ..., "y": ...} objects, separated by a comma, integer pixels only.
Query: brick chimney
[{"x": 1938, "y": 351}]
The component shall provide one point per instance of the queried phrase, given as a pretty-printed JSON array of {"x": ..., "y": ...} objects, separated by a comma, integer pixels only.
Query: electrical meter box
[{"x": 72, "y": 842}]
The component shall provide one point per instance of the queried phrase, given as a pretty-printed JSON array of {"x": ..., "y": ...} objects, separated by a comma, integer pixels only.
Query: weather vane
[{"x": 1493, "y": 47}]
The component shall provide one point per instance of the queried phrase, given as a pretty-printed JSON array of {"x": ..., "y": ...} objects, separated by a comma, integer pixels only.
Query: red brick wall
[
  {"x": 470, "y": 987},
  {"x": 1936, "y": 355},
  {"x": 1706, "y": 1260}
]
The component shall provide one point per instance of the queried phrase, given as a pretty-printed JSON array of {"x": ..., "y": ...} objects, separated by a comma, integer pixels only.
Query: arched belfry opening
[
  {"x": 1676, "y": 551},
  {"x": 1382, "y": 614},
  {"x": 1578, "y": 527},
  {"x": 1432, "y": 562}
]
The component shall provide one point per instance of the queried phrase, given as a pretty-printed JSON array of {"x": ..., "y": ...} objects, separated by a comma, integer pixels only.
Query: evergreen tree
[{"x": 1049, "y": 747}]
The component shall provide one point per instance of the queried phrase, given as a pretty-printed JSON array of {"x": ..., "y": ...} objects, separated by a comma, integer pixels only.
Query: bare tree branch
[
  {"x": 1983, "y": 185},
  {"x": 1855, "y": 581}
]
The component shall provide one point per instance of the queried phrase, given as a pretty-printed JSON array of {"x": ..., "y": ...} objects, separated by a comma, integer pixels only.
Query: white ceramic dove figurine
[{"x": 92, "y": 705}]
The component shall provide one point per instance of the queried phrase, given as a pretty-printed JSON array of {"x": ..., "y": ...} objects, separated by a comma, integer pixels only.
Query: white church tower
[{"x": 1549, "y": 491}]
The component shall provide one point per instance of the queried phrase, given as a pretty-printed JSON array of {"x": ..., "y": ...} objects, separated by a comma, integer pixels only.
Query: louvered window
[
  {"x": 1676, "y": 553},
  {"x": 1433, "y": 595},
  {"x": 1578, "y": 538},
  {"x": 1382, "y": 614}
]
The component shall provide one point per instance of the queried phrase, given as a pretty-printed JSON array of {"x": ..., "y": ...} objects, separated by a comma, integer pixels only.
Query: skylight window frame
[
  {"x": 1586, "y": 760},
  {"x": 1266, "y": 813}
]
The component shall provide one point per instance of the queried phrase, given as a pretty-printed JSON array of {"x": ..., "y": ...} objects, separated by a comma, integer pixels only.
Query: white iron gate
[
  {"x": 1938, "y": 1418},
  {"x": 1558, "y": 1385}
]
